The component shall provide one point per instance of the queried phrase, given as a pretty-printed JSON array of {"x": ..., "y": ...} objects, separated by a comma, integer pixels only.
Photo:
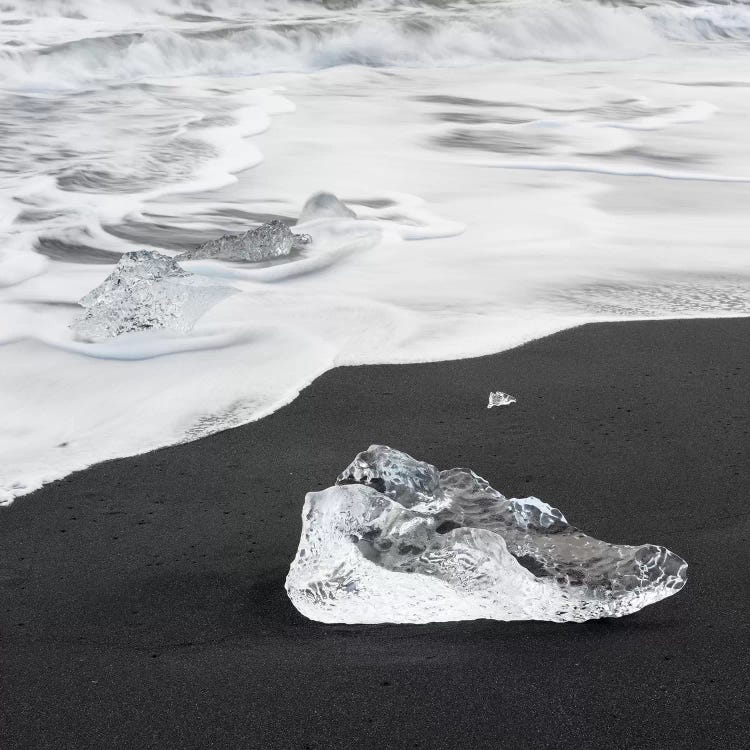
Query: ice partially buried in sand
[
  {"x": 146, "y": 290},
  {"x": 396, "y": 540}
]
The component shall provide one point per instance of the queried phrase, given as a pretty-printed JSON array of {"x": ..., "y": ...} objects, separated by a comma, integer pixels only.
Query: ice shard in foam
[
  {"x": 266, "y": 242},
  {"x": 396, "y": 540},
  {"x": 146, "y": 290}
]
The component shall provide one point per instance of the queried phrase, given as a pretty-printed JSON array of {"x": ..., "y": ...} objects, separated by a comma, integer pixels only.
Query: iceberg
[
  {"x": 325, "y": 206},
  {"x": 146, "y": 290},
  {"x": 266, "y": 242},
  {"x": 498, "y": 398},
  {"x": 396, "y": 540}
]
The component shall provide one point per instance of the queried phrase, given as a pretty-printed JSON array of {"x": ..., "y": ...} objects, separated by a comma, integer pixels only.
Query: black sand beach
[{"x": 143, "y": 602}]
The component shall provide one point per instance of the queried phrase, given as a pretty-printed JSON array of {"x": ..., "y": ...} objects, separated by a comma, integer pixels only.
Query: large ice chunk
[
  {"x": 325, "y": 206},
  {"x": 399, "y": 541},
  {"x": 146, "y": 290},
  {"x": 266, "y": 242}
]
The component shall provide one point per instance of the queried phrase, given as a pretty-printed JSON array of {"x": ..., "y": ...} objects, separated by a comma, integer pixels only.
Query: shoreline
[
  {"x": 143, "y": 599},
  {"x": 198, "y": 430}
]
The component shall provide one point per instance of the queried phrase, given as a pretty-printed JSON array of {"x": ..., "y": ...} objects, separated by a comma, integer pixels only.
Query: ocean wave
[{"x": 414, "y": 36}]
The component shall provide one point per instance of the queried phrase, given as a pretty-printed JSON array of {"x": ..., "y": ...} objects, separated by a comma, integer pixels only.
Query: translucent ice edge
[{"x": 396, "y": 540}]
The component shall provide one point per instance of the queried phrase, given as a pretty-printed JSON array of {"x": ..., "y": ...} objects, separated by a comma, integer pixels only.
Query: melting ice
[
  {"x": 266, "y": 242},
  {"x": 396, "y": 540},
  {"x": 146, "y": 290},
  {"x": 498, "y": 398},
  {"x": 324, "y": 206}
]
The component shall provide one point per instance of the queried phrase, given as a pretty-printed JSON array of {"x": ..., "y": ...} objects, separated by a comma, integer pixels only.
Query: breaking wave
[{"x": 191, "y": 38}]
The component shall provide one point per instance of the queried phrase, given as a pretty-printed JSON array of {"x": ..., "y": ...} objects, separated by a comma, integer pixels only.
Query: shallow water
[{"x": 516, "y": 167}]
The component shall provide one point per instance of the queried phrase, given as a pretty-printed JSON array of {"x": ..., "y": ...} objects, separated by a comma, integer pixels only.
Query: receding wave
[{"x": 412, "y": 36}]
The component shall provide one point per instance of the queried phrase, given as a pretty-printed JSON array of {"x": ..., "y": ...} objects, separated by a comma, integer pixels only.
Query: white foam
[
  {"x": 273, "y": 37},
  {"x": 495, "y": 203}
]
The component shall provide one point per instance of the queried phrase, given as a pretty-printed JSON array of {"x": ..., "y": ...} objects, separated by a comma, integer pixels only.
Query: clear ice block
[
  {"x": 146, "y": 290},
  {"x": 266, "y": 242},
  {"x": 396, "y": 540}
]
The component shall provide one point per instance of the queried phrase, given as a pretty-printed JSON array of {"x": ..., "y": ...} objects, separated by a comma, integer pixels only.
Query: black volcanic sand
[{"x": 143, "y": 602}]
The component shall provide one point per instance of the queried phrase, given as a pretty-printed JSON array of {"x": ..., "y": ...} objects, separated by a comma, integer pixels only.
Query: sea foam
[{"x": 513, "y": 169}]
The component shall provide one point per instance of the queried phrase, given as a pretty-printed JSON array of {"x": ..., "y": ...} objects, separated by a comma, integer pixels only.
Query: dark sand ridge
[{"x": 143, "y": 602}]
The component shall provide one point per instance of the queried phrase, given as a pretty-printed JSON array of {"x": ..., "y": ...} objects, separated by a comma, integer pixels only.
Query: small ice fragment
[
  {"x": 266, "y": 242},
  {"x": 325, "y": 206},
  {"x": 146, "y": 290},
  {"x": 498, "y": 398},
  {"x": 396, "y": 540}
]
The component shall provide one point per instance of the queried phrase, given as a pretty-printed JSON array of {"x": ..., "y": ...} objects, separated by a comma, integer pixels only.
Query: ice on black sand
[
  {"x": 396, "y": 540},
  {"x": 498, "y": 398}
]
